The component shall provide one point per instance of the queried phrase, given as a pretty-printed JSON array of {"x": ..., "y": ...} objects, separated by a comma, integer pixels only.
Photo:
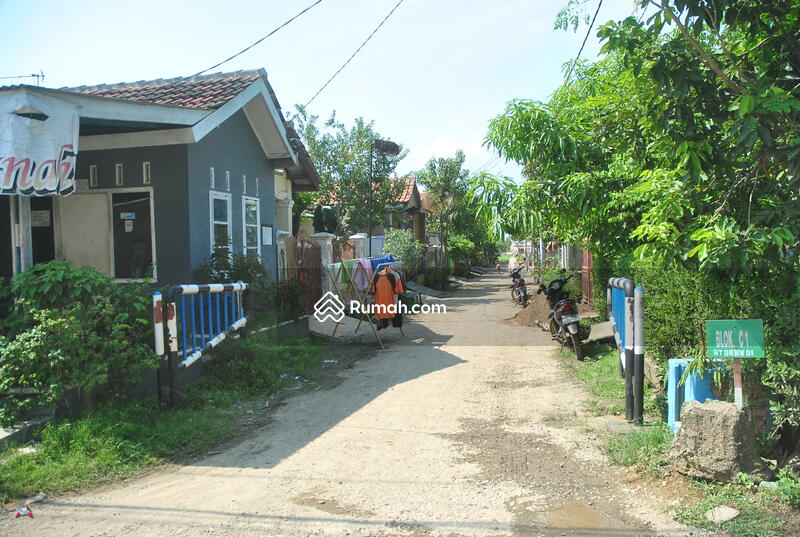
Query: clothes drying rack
[{"x": 340, "y": 275}]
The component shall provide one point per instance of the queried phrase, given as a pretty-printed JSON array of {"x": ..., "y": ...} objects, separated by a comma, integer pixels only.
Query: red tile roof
[
  {"x": 205, "y": 91},
  {"x": 408, "y": 189},
  {"x": 327, "y": 198}
]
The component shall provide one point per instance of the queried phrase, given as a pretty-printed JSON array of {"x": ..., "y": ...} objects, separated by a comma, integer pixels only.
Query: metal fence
[
  {"x": 626, "y": 313},
  {"x": 206, "y": 314}
]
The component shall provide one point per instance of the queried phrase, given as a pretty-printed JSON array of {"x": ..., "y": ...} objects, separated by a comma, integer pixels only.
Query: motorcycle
[
  {"x": 565, "y": 321},
  {"x": 519, "y": 290}
]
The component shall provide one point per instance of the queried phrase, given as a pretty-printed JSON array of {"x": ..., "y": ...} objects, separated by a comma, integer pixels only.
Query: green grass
[
  {"x": 121, "y": 438},
  {"x": 763, "y": 513},
  {"x": 644, "y": 448}
]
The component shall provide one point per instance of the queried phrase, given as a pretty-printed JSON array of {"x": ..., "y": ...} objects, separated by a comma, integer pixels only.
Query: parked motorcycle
[
  {"x": 565, "y": 321},
  {"x": 519, "y": 290}
]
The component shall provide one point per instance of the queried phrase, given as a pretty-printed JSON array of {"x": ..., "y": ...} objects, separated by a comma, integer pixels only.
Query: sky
[{"x": 431, "y": 78}]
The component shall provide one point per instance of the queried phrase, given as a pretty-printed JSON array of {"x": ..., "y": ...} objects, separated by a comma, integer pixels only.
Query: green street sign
[{"x": 735, "y": 338}]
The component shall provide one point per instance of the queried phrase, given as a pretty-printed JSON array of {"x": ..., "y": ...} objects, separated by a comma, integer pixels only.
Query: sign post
[{"x": 736, "y": 339}]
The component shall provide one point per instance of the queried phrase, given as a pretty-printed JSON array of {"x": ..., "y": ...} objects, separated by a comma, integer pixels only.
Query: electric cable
[
  {"x": 257, "y": 42},
  {"x": 325, "y": 85},
  {"x": 578, "y": 57}
]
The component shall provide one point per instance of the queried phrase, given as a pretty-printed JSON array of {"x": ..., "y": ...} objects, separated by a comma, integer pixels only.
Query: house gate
[{"x": 308, "y": 262}]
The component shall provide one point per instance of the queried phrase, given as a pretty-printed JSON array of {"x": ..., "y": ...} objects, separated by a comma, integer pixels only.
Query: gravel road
[{"x": 465, "y": 426}]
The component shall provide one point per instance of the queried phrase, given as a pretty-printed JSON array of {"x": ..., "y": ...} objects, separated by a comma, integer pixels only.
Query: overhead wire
[
  {"x": 259, "y": 41},
  {"x": 586, "y": 37},
  {"x": 325, "y": 85}
]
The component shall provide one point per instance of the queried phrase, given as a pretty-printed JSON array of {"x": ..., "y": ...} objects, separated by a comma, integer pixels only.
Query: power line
[
  {"x": 38, "y": 76},
  {"x": 257, "y": 42},
  {"x": 325, "y": 85},
  {"x": 600, "y": 3}
]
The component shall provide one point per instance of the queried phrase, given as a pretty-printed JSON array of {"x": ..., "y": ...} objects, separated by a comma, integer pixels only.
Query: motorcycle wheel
[
  {"x": 518, "y": 298},
  {"x": 553, "y": 328},
  {"x": 576, "y": 344}
]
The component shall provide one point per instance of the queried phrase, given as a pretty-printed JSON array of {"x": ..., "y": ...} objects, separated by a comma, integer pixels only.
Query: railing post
[
  {"x": 629, "y": 398},
  {"x": 638, "y": 355},
  {"x": 172, "y": 356},
  {"x": 162, "y": 373}
]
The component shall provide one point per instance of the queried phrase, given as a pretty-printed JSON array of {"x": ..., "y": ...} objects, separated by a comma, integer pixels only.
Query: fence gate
[{"x": 308, "y": 260}]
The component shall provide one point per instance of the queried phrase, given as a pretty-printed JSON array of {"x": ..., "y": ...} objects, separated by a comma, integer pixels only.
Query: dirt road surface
[{"x": 465, "y": 426}]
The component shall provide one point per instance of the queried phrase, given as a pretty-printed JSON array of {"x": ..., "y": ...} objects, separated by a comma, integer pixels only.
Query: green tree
[
  {"x": 446, "y": 181},
  {"x": 679, "y": 150},
  {"x": 342, "y": 157}
]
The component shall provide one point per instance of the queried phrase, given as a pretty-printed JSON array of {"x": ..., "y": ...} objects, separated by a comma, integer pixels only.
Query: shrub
[
  {"x": 286, "y": 298},
  {"x": 401, "y": 244},
  {"x": 224, "y": 267},
  {"x": 71, "y": 328}
]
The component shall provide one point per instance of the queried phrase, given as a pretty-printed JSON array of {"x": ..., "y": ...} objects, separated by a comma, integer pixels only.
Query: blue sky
[{"x": 431, "y": 78}]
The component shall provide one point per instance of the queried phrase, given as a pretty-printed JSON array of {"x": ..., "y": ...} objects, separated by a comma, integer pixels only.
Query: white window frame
[
  {"x": 146, "y": 177},
  {"x": 227, "y": 181},
  {"x": 214, "y": 195},
  {"x": 257, "y": 247},
  {"x": 211, "y": 179},
  {"x": 244, "y": 184},
  {"x": 119, "y": 175}
]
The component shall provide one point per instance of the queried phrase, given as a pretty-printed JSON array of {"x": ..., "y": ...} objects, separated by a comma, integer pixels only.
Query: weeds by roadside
[
  {"x": 762, "y": 512},
  {"x": 644, "y": 448},
  {"x": 120, "y": 439}
]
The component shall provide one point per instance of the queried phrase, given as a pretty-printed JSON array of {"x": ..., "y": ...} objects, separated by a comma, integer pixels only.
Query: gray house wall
[
  {"x": 231, "y": 147},
  {"x": 168, "y": 172}
]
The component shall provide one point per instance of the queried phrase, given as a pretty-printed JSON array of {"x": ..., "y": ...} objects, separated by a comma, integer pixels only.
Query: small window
[
  {"x": 220, "y": 208},
  {"x": 251, "y": 220},
  {"x": 256, "y": 181},
  {"x": 93, "y": 175},
  {"x": 244, "y": 184},
  {"x": 211, "y": 178},
  {"x": 118, "y": 175},
  {"x": 146, "y": 173},
  {"x": 228, "y": 181}
]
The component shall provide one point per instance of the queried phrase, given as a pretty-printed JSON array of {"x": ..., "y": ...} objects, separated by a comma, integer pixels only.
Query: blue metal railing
[
  {"x": 199, "y": 306},
  {"x": 211, "y": 313}
]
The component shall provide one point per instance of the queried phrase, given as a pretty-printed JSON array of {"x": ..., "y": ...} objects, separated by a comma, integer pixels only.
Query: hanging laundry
[
  {"x": 381, "y": 260},
  {"x": 350, "y": 266},
  {"x": 364, "y": 276},
  {"x": 385, "y": 286}
]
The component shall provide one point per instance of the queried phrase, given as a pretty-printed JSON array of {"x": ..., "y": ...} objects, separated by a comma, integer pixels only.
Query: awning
[{"x": 38, "y": 143}]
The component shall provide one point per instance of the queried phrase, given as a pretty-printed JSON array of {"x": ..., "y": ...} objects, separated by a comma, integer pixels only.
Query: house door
[
  {"x": 42, "y": 238},
  {"x": 133, "y": 245},
  {"x": 83, "y": 231}
]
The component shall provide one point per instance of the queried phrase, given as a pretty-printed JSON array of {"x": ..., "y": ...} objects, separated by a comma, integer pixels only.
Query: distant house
[
  {"x": 407, "y": 211},
  {"x": 166, "y": 169}
]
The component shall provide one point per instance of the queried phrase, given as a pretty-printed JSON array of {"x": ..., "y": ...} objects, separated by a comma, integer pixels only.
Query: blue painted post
[
  {"x": 219, "y": 325},
  {"x": 183, "y": 323},
  {"x": 202, "y": 322},
  {"x": 194, "y": 330},
  {"x": 225, "y": 316},
  {"x": 211, "y": 333}
]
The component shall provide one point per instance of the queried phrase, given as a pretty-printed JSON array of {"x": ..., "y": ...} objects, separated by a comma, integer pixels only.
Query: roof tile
[{"x": 205, "y": 92}]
